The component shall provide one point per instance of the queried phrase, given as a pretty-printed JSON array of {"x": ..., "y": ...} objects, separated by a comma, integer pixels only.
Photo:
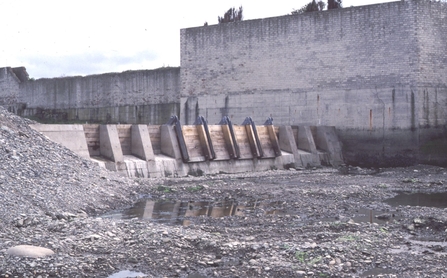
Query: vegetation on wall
[
  {"x": 315, "y": 6},
  {"x": 334, "y": 4},
  {"x": 311, "y": 7},
  {"x": 232, "y": 15}
]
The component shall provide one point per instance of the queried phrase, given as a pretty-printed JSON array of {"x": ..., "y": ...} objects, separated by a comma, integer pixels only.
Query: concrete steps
[{"x": 179, "y": 150}]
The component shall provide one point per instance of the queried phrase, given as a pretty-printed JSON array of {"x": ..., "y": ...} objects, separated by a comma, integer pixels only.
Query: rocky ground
[{"x": 288, "y": 223}]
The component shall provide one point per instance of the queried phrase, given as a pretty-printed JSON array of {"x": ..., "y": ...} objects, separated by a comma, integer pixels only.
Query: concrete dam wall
[
  {"x": 174, "y": 149},
  {"x": 377, "y": 73}
]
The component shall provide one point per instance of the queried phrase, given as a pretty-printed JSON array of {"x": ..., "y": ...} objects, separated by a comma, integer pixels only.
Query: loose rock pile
[
  {"x": 42, "y": 183},
  {"x": 38, "y": 176}
]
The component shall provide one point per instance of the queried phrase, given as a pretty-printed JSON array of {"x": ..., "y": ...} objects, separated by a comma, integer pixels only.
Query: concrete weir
[{"x": 173, "y": 149}]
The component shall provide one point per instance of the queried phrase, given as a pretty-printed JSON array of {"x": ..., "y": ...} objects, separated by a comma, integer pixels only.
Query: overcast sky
[{"x": 66, "y": 38}]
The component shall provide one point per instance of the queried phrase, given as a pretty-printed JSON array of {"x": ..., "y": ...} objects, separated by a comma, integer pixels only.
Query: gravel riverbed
[{"x": 321, "y": 222}]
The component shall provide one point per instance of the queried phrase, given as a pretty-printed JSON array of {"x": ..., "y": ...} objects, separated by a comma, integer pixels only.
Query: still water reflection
[
  {"x": 181, "y": 212},
  {"x": 437, "y": 200}
]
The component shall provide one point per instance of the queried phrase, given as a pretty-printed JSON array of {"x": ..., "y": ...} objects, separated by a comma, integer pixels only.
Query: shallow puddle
[
  {"x": 179, "y": 212},
  {"x": 437, "y": 200},
  {"x": 373, "y": 216},
  {"x": 377, "y": 271},
  {"x": 364, "y": 215}
]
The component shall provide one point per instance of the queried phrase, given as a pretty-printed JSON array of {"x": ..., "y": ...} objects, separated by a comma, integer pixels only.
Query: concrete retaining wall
[
  {"x": 70, "y": 136},
  {"x": 144, "y": 96},
  {"x": 10, "y": 79}
]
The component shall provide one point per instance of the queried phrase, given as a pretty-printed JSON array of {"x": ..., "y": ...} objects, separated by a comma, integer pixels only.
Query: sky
[{"x": 53, "y": 38}]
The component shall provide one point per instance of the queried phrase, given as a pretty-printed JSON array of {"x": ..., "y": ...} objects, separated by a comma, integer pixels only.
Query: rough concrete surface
[{"x": 321, "y": 222}]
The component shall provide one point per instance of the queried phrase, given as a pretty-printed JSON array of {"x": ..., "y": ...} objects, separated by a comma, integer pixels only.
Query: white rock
[{"x": 29, "y": 251}]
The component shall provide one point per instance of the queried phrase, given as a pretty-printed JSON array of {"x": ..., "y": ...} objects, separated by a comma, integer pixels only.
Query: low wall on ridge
[{"x": 143, "y": 96}]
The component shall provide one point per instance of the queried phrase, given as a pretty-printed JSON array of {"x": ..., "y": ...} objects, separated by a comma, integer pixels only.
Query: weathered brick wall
[
  {"x": 358, "y": 69},
  {"x": 143, "y": 96},
  {"x": 432, "y": 36},
  {"x": 432, "y": 66},
  {"x": 432, "y": 80},
  {"x": 312, "y": 57}
]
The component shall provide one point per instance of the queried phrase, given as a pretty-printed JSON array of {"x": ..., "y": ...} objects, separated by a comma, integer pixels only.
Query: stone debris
[
  {"x": 53, "y": 199},
  {"x": 29, "y": 251}
]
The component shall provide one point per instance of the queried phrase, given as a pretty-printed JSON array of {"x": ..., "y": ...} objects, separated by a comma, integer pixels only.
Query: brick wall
[
  {"x": 431, "y": 90},
  {"x": 358, "y": 69},
  {"x": 432, "y": 66},
  {"x": 317, "y": 58}
]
